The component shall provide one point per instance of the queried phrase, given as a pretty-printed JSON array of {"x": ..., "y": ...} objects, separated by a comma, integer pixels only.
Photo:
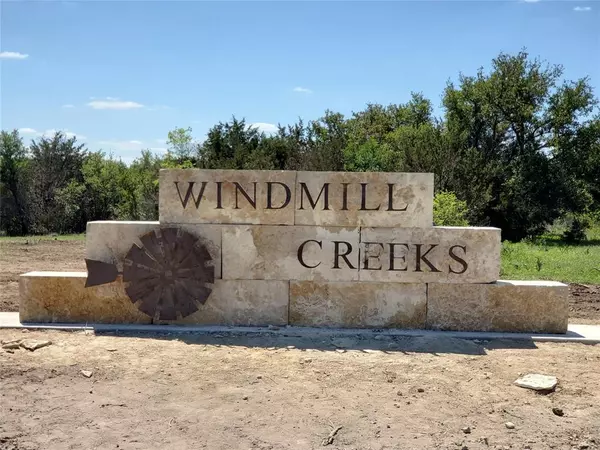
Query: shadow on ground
[{"x": 367, "y": 343}]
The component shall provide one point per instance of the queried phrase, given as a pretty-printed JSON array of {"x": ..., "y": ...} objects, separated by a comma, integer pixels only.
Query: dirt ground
[
  {"x": 258, "y": 392},
  {"x": 29, "y": 255}
]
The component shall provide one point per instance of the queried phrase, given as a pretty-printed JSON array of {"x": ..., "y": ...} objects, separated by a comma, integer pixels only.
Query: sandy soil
[
  {"x": 28, "y": 255},
  {"x": 255, "y": 392}
]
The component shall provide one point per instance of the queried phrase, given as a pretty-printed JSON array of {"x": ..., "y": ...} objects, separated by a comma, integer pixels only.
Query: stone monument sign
[{"x": 259, "y": 248}]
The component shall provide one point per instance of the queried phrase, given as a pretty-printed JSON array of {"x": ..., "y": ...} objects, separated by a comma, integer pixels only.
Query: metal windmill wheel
[{"x": 167, "y": 277}]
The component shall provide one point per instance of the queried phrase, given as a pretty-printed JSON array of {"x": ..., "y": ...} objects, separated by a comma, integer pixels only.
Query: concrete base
[{"x": 585, "y": 334}]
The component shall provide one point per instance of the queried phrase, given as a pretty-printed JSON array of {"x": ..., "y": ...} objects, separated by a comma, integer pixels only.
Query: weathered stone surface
[
  {"x": 258, "y": 197},
  {"x": 357, "y": 305},
  {"x": 63, "y": 297},
  {"x": 537, "y": 382},
  {"x": 244, "y": 303},
  {"x": 110, "y": 240},
  {"x": 437, "y": 254},
  {"x": 371, "y": 199},
  {"x": 34, "y": 344},
  {"x": 290, "y": 253},
  {"x": 517, "y": 306}
]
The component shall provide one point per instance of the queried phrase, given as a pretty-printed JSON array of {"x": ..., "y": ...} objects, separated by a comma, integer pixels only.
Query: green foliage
[
  {"x": 518, "y": 144},
  {"x": 449, "y": 210},
  {"x": 549, "y": 257}
]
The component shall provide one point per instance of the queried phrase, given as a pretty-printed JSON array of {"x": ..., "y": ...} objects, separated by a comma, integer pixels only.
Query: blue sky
[{"x": 120, "y": 75}]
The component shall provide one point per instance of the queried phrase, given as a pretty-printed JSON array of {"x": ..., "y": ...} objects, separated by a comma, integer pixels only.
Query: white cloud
[
  {"x": 303, "y": 90},
  {"x": 13, "y": 55},
  {"x": 113, "y": 103},
  {"x": 68, "y": 106},
  {"x": 531, "y": 1},
  {"x": 267, "y": 128},
  {"x": 50, "y": 133},
  {"x": 582, "y": 8},
  {"x": 131, "y": 145}
]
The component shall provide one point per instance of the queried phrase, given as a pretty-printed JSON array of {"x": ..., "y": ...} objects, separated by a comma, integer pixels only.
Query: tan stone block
[
  {"x": 243, "y": 303},
  {"x": 437, "y": 254},
  {"x": 226, "y": 196},
  {"x": 110, "y": 240},
  {"x": 279, "y": 252},
  {"x": 63, "y": 297},
  {"x": 368, "y": 199},
  {"x": 357, "y": 305},
  {"x": 513, "y": 306}
]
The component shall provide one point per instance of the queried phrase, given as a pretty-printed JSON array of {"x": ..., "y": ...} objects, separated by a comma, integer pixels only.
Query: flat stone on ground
[{"x": 537, "y": 382}]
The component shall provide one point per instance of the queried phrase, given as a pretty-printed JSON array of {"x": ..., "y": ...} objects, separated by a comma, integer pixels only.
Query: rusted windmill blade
[{"x": 169, "y": 275}]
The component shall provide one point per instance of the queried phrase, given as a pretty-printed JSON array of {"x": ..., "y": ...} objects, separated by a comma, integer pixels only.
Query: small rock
[
  {"x": 464, "y": 447},
  {"x": 86, "y": 373},
  {"x": 399, "y": 393},
  {"x": 25, "y": 330},
  {"x": 340, "y": 350},
  {"x": 420, "y": 390},
  {"x": 270, "y": 348},
  {"x": 273, "y": 327},
  {"x": 259, "y": 377},
  {"x": 485, "y": 441},
  {"x": 291, "y": 347},
  {"x": 584, "y": 445},
  {"x": 11, "y": 346},
  {"x": 537, "y": 382},
  {"x": 510, "y": 425},
  {"x": 245, "y": 397},
  {"x": 466, "y": 430},
  {"x": 558, "y": 412},
  {"x": 111, "y": 349},
  {"x": 34, "y": 344}
]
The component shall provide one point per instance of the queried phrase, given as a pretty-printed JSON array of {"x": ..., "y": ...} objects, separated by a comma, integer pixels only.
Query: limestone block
[
  {"x": 63, "y": 297},
  {"x": 226, "y": 196},
  {"x": 357, "y": 305},
  {"x": 290, "y": 253},
  {"x": 517, "y": 306},
  {"x": 371, "y": 199},
  {"x": 242, "y": 303},
  {"x": 436, "y": 254},
  {"x": 110, "y": 240}
]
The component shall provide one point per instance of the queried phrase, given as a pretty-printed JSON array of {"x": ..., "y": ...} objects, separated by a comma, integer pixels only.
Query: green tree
[
  {"x": 55, "y": 163},
  {"x": 14, "y": 211},
  {"x": 507, "y": 126},
  {"x": 449, "y": 210}
]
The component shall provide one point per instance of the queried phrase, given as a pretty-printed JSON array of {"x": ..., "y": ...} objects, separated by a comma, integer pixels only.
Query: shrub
[{"x": 449, "y": 210}]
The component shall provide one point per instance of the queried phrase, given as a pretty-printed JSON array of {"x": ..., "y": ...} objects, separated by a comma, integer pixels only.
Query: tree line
[{"x": 518, "y": 147}]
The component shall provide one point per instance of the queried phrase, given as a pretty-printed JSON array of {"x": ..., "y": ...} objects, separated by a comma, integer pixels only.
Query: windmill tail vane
[{"x": 100, "y": 272}]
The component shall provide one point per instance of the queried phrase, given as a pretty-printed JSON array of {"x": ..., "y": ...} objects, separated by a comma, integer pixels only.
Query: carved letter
[
  {"x": 345, "y": 197},
  {"x": 190, "y": 193},
  {"x": 324, "y": 191},
  {"x": 288, "y": 195},
  {"x": 391, "y": 199},
  {"x": 458, "y": 259},
  {"x": 239, "y": 188},
  {"x": 336, "y": 264},
  {"x": 363, "y": 199},
  {"x": 301, "y": 250},
  {"x": 367, "y": 256},
  {"x": 219, "y": 190},
  {"x": 425, "y": 260},
  {"x": 393, "y": 257}
]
